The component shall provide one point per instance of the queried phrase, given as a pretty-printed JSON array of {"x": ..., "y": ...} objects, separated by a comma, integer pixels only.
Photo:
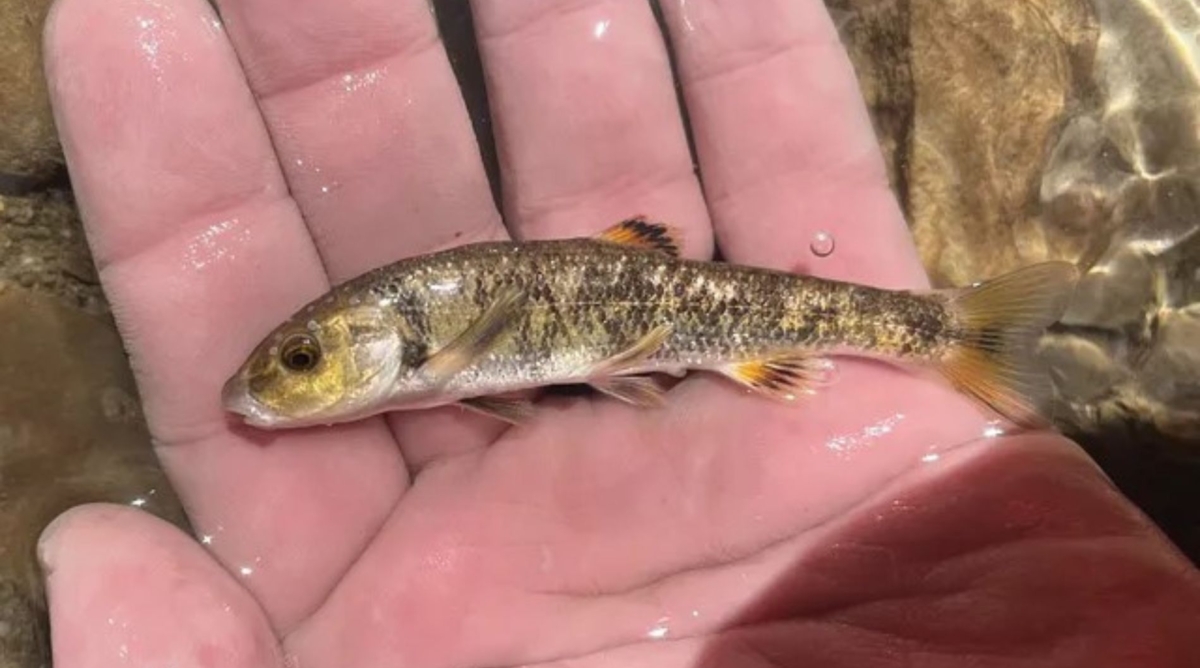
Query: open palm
[{"x": 228, "y": 173}]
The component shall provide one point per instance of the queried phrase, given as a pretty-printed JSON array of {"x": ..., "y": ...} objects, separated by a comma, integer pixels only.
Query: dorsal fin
[{"x": 643, "y": 234}]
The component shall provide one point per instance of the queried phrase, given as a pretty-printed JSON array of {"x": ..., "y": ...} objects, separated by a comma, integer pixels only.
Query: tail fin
[{"x": 1001, "y": 321}]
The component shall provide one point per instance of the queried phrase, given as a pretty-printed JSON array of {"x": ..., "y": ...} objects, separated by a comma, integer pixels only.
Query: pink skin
[{"x": 870, "y": 524}]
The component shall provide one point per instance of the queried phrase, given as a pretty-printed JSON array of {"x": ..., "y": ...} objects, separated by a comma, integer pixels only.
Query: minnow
[{"x": 476, "y": 324}]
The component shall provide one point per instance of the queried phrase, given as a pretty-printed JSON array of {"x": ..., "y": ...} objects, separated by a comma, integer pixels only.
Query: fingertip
[
  {"x": 49, "y": 544},
  {"x": 126, "y": 586},
  {"x": 72, "y": 533}
]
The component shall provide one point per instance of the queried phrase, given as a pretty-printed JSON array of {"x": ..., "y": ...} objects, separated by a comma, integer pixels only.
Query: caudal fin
[{"x": 1001, "y": 321}]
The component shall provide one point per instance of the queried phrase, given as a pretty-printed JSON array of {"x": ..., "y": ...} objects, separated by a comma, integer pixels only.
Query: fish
[{"x": 480, "y": 324}]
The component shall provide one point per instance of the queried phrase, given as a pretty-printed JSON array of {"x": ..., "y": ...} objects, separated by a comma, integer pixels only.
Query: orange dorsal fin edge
[{"x": 641, "y": 233}]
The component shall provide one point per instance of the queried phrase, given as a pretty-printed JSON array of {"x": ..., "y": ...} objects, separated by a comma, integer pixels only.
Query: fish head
[{"x": 332, "y": 363}]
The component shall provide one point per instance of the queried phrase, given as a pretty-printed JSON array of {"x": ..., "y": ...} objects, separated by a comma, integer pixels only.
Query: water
[
  {"x": 822, "y": 244},
  {"x": 869, "y": 436},
  {"x": 660, "y": 630}
]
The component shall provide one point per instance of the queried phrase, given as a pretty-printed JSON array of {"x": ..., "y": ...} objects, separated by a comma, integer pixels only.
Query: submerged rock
[
  {"x": 1062, "y": 129},
  {"x": 70, "y": 433},
  {"x": 29, "y": 147},
  {"x": 43, "y": 248}
]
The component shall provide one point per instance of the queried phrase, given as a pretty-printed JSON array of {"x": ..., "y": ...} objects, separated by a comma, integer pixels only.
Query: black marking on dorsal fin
[{"x": 642, "y": 233}]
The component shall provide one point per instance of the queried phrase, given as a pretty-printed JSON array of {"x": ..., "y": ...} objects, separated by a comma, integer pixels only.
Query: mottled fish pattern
[{"x": 486, "y": 319}]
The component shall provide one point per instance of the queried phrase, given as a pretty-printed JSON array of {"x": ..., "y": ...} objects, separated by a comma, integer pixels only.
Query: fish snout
[{"x": 236, "y": 398}]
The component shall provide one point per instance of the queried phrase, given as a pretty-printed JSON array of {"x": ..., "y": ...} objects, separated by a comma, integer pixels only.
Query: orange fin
[
  {"x": 636, "y": 390},
  {"x": 511, "y": 410},
  {"x": 642, "y": 233},
  {"x": 783, "y": 377},
  {"x": 1002, "y": 320}
]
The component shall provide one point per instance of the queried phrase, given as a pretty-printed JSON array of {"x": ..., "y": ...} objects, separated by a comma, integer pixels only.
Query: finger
[
  {"x": 200, "y": 250},
  {"x": 125, "y": 588},
  {"x": 587, "y": 124},
  {"x": 784, "y": 142},
  {"x": 377, "y": 147},
  {"x": 369, "y": 125}
]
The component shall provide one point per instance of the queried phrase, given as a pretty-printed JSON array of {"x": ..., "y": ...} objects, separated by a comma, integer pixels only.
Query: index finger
[{"x": 200, "y": 249}]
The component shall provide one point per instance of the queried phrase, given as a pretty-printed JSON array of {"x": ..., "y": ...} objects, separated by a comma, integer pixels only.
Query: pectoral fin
[
  {"x": 642, "y": 233},
  {"x": 477, "y": 339},
  {"x": 782, "y": 377},
  {"x": 512, "y": 410},
  {"x": 636, "y": 390}
]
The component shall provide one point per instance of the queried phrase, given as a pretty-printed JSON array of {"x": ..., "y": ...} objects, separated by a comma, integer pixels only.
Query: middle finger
[
  {"x": 369, "y": 124},
  {"x": 587, "y": 123}
]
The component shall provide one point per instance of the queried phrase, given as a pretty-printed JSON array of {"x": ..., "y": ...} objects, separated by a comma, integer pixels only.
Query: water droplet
[
  {"x": 660, "y": 630},
  {"x": 359, "y": 81},
  {"x": 219, "y": 242},
  {"x": 827, "y": 372},
  {"x": 686, "y": 13},
  {"x": 868, "y": 436},
  {"x": 822, "y": 244},
  {"x": 993, "y": 429}
]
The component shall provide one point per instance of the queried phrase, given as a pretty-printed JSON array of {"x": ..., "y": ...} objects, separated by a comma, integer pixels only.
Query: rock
[
  {"x": 1116, "y": 294},
  {"x": 876, "y": 34},
  {"x": 43, "y": 248},
  {"x": 1173, "y": 362},
  {"x": 29, "y": 147},
  {"x": 1083, "y": 368},
  {"x": 70, "y": 433},
  {"x": 985, "y": 114},
  {"x": 1064, "y": 129}
]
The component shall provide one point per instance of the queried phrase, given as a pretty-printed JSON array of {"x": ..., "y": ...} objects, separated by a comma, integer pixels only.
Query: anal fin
[
  {"x": 781, "y": 377},
  {"x": 642, "y": 233},
  {"x": 639, "y": 391},
  {"x": 512, "y": 410}
]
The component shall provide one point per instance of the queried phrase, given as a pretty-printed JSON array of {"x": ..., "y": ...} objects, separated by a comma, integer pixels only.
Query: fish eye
[{"x": 300, "y": 353}]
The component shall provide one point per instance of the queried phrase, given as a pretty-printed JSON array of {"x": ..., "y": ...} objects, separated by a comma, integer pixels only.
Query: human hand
[{"x": 872, "y": 521}]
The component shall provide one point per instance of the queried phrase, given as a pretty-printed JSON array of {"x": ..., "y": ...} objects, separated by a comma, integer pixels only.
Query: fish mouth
[{"x": 236, "y": 398}]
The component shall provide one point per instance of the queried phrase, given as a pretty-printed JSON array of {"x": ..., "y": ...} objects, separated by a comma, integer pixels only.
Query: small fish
[{"x": 476, "y": 324}]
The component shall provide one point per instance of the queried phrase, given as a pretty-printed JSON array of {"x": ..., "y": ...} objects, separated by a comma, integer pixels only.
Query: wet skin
[{"x": 873, "y": 524}]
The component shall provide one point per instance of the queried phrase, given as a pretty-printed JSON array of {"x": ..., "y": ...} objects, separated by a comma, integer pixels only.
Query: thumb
[{"x": 126, "y": 587}]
